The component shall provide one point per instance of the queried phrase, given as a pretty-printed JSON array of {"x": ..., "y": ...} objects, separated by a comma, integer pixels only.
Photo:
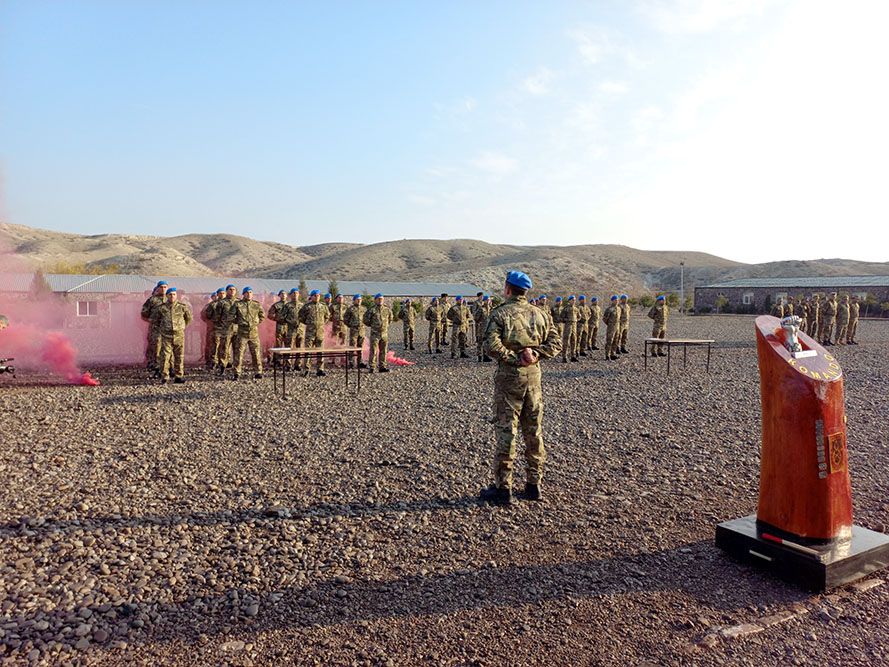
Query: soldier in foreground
[
  {"x": 433, "y": 316},
  {"x": 611, "y": 317},
  {"x": 854, "y": 311},
  {"x": 378, "y": 317},
  {"x": 354, "y": 319},
  {"x": 337, "y": 320},
  {"x": 223, "y": 330},
  {"x": 278, "y": 314},
  {"x": 459, "y": 318},
  {"x": 152, "y": 350},
  {"x": 659, "y": 313},
  {"x": 569, "y": 330},
  {"x": 313, "y": 315},
  {"x": 623, "y": 324},
  {"x": 246, "y": 314},
  {"x": 595, "y": 316},
  {"x": 295, "y": 330},
  {"x": 518, "y": 335},
  {"x": 481, "y": 314},
  {"x": 408, "y": 317},
  {"x": 170, "y": 319}
]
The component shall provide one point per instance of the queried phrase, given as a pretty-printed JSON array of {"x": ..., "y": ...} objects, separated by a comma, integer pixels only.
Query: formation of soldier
[{"x": 830, "y": 322}]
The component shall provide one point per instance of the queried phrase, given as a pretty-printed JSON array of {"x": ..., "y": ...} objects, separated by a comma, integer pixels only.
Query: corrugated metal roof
[
  {"x": 137, "y": 284},
  {"x": 812, "y": 283}
]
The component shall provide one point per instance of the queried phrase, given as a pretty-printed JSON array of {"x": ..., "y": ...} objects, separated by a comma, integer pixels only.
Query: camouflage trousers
[
  {"x": 814, "y": 327},
  {"x": 624, "y": 335},
  {"x": 612, "y": 339},
  {"x": 518, "y": 403},
  {"x": 408, "y": 331},
  {"x": 594, "y": 336},
  {"x": 479, "y": 339},
  {"x": 827, "y": 330},
  {"x": 251, "y": 341},
  {"x": 220, "y": 347},
  {"x": 280, "y": 334},
  {"x": 171, "y": 356},
  {"x": 433, "y": 340},
  {"x": 379, "y": 348},
  {"x": 853, "y": 329},
  {"x": 153, "y": 350},
  {"x": 583, "y": 338},
  {"x": 338, "y": 331},
  {"x": 314, "y": 339},
  {"x": 569, "y": 341},
  {"x": 842, "y": 332},
  {"x": 658, "y": 330},
  {"x": 444, "y": 333},
  {"x": 458, "y": 340}
]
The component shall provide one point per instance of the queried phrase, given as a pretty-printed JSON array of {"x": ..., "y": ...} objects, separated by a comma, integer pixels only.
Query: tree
[
  {"x": 646, "y": 300},
  {"x": 689, "y": 303},
  {"x": 884, "y": 308},
  {"x": 397, "y": 305},
  {"x": 673, "y": 300},
  {"x": 366, "y": 299},
  {"x": 767, "y": 304},
  {"x": 40, "y": 288},
  {"x": 303, "y": 289},
  {"x": 721, "y": 302},
  {"x": 333, "y": 289},
  {"x": 870, "y": 301}
]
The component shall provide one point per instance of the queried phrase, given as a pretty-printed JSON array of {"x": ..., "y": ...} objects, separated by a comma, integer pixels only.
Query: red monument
[{"x": 803, "y": 527}]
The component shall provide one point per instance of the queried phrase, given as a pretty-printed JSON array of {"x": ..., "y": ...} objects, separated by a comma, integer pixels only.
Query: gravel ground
[{"x": 215, "y": 523}]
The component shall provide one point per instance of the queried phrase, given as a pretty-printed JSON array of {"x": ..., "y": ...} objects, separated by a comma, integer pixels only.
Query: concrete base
[{"x": 813, "y": 566}]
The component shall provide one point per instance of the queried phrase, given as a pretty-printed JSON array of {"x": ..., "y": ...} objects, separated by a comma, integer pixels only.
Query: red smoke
[
  {"x": 397, "y": 361},
  {"x": 33, "y": 348}
]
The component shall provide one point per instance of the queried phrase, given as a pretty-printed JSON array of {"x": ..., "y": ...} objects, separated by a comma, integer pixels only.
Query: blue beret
[
  {"x": 458, "y": 298},
  {"x": 594, "y": 298},
  {"x": 377, "y": 295},
  {"x": 571, "y": 298},
  {"x": 624, "y": 296},
  {"x": 486, "y": 298},
  {"x": 662, "y": 298},
  {"x": 327, "y": 296},
  {"x": 280, "y": 292},
  {"x": 246, "y": 289},
  {"x": 614, "y": 297},
  {"x": 172, "y": 289},
  {"x": 582, "y": 297},
  {"x": 357, "y": 296},
  {"x": 221, "y": 290},
  {"x": 542, "y": 296},
  {"x": 160, "y": 283},
  {"x": 434, "y": 300},
  {"x": 293, "y": 290},
  {"x": 558, "y": 298},
  {"x": 229, "y": 287},
  {"x": 314, "y": 292},
  {"x": 518, "y": 279}
]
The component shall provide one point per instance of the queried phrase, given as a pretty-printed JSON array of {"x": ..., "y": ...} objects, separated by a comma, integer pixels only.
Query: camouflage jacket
[
  {"x": 338, "y": 315},
  {"x": 659, "y": 313},
  {"x": 623, "y": 312},
  {"x": 459, "y": 316},
  {"x": 789, "y": 309},
  {"x": 595, "y": 315},
  {"x": 555, "y": 312},
  {"x": 830, "y": 310},
  {"x": 291, "y": 313},
  {"x": 611, "y": 316},
  {"x": 778, "y": 310},
  {"x": 378, "y": 318},
  {"x": 150, "y": 305},
  {"x": 516, "y": 324},
  {"x": 207, "y": 311},
  {"x": 354, "y": 317},
  {"x": 546, "y": 313},
  {"x": 843, "y": 313},
  {"x": 481, "y": 311},
  {"x": 246, "y": 315},
  {"x": 222, "y": 313},
  {"x": 171, "y": 318},
  {"x": 278, "y": 314},
  {"x": 854, "y": 309},
  {"x": 314, "y": 315},
  {"x": 583, "y": 315},
  {"x": 433, "y": 314},
  {"x": 407, "y": 315},
  {"x": 569, "y": 314}
]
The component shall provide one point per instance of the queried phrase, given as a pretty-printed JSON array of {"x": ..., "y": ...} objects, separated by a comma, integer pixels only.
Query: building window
[
  {"x": 781, "y": 297},
  {"x": 87, "y": 308},
  {"x": 747, "y": 298}
]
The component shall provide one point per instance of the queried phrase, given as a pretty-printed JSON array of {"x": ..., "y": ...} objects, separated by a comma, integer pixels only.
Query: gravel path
[{"x": 214, "y": 522}]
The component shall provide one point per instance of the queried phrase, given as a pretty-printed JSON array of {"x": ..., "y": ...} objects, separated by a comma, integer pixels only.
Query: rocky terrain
[
  {"x": 217, "y": 523},
  {"x": 611, "y": 268}
]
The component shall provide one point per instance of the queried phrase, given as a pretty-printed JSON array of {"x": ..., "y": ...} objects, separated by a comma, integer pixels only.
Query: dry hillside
[{"x": 595, "y": 268}]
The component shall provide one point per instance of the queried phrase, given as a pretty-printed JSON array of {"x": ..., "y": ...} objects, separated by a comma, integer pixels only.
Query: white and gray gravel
[{"x": 215, "y": 523}]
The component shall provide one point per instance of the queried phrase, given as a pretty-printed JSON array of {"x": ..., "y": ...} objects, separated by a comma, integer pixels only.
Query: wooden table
[
  {"x": 296, "y": 354},
  {"x": 684, "y": 342}
]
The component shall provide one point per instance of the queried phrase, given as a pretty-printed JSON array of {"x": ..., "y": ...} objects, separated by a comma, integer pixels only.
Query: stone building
[{"x": 756, "y": 295}]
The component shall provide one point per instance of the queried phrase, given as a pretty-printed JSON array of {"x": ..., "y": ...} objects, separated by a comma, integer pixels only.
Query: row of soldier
[{"x": 830, "y": 322}]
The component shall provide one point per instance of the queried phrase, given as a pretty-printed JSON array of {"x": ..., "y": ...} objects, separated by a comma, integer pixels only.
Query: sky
[{"x": 756, "y": 130}]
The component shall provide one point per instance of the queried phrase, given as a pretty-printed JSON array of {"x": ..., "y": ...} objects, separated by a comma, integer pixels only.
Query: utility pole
[{"x": 682, "y": 286}]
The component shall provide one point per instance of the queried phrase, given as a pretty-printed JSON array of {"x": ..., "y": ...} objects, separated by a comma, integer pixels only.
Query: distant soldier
[
  {"x": 542, "y": 303},
  {"x": 481, "y": 314},
  {"x": 595, "y": 317},
  {"x": 624, "y": 323},
  {"x": 209, "y": 337},
  {"x": 223, "y": 337},
  {"x": 789, "y": 307},
  {"x": 815, "y": 328},
  {"x": 778, "y": 309},
  {"x": 829, "y": 315},
  {"x": 611, "y": 317},
  {"x": 354, "y": 319},
  {"x": 277, "y": 314},
  {"x": 313, "y": 315},
  {"x": 337, "y": 319},
  {"x": 843, "y": 320},
  {"x": 296, "y": 332},
  {"x": 459, "y": 317},
  {"x": 518, "y": 335},
  {"x": 170, "y": 319},
  {"x": 246, "y": 315},
  {"x": 569, "y": 330},
  {"x": 152, "y": 351},
  {"x": 854, "y": 311},
  {"x": 583, "y": 328},
  {"x": 433, "y": 316},
  {"x": 328, "y": 301},
  {"x": 556, "y": 312},
  {"x": 378, "y": 317},
  {"x": 659, "y": 313},
  {"x": 408, "y": 317},
  {"x": 445, "y": 306}
]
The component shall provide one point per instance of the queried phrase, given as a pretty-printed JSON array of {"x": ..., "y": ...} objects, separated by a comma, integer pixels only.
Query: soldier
[
  {"x": 354, "y": 319},
  {"x": 659, "y": 313},
  {"x": 583, "y": 329},
  {"x": 408, "y": 317},
  {"x": 518, "y": 335},
  {"x": 170, "y": 319},
  {"x": 843, "y": 320},
  {"x": 295, "y": 331},
  {"x": 313, "y": 315},
  {"x": 378, "y": 318},
  {"x": 611, "y": 317},
  {"x": 542, "y": 303},
  {"x": 829, "y": 316},
  {"x": 433, "y": 316},
  {"x": 778, "y": 309},
  {"x": 789, "y": 307},
  {"x": 459, "y": 317},
  {"x": 815, "y": 318},
  {"x": 328, "y": 301},
  {"x": 277, "y": 314},
  {"x": 556, "y": 313},
  {"x": 569, "y": 330},
  {"x": 481, "y": 314},
  {"x": 624, "y": 324},
  {"x": 246, "y": 314},
  {"x": 595, "y": 316},
  {"x": 152, "y": 351},
  {"x": 223, "y": 336},
  {"x": 802, "y": 311},
  {"x": 445, "y": 307},
  {"x": 209, "y": 337},
  {"x": 854, "y": 310},
  {"x": 337, "y": 319}
]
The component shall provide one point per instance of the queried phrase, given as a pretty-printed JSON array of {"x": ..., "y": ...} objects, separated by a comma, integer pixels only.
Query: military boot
[
  {"x": 486, "y": 358},
  {"x": 463, "y": 355},
  {"x": 532, "y": 492},
  {"x": 496, "y": 495}
]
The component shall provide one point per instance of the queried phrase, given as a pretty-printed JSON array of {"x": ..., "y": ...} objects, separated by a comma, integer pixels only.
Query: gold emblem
[{"x": 836, "y": 445}]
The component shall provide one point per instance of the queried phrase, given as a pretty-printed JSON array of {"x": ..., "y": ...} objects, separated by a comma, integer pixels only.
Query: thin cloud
[
  {"x": 699, "y": 16},
  {"x": 494, "y": 163},
  {"x": 538, "y": 82},
  {"x": 614, "y": 87}
]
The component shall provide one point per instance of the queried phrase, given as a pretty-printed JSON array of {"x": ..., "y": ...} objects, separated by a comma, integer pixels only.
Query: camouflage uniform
[
  {"x": 337, "y": 319},
  {"x": 480, "y": 313},
  {"x": 778, "y": 310},
  {"x": 459, "y": 317},
  {"x": 624, "y": 324},
  {"x": 555, "y": 312},
  {"x": 444, "y": 306},
  {"x": 829, "y": 317},
  {"x": 378, "y": 317},
  {"x": 854, "y": 310},
  {"x": 152, "y": 351},
  {"x": 433, "y": 316},
  {"x": 518, "y": 397},
  {"x": 313, "y": 315},
  {"x": 296, "y": 332},
  {"x": 595, "y": 317},
  {"x": 547, "y": 312},
  {"x": 843, "y": 321},
  {"x": 611, "y": 317},
  {"x": 246, "y": 316},
  {"x": 354, "y": 319},
  {"x": 789, "y": 307},
  {"x": 209, "y": 335},
  {"x": 170, "y": 319},
  {"x": 583, "y": 326},
  {"x": 408, "y": 317},
  {"x": 659, "y": 313},
  {"x": 569, "y": 331},
  {"x": 278, "y": 314},
  {"x": 815, "y": 319},
  {"x": 222, "y": 332}
]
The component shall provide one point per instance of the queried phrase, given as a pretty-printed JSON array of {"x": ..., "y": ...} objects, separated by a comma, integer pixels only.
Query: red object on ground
[
  {"x": 804, "y": 486},
  {"x": 397, "y": 361}
]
